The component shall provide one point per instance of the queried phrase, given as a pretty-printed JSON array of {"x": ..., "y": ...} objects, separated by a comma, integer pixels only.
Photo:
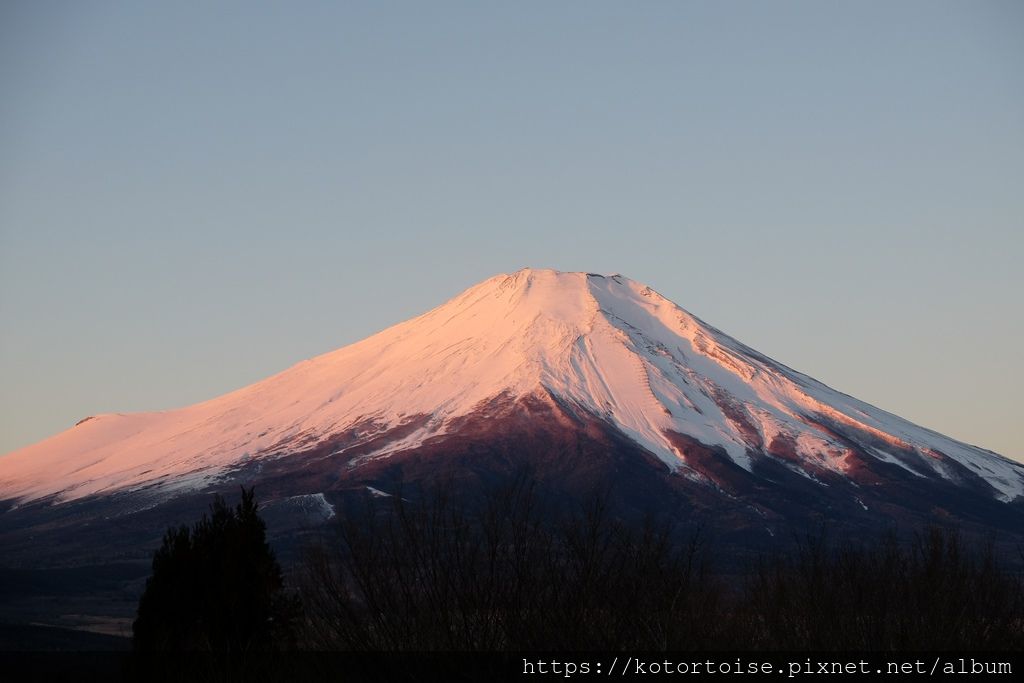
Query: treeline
[
  {"x": 509, "y": 575},
  {"x": 438, "y": 575}
]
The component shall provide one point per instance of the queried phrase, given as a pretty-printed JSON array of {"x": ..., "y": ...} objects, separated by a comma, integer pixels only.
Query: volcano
[
  {"x": 591, "y": 348},
  {"x": 589, "y": 382}
]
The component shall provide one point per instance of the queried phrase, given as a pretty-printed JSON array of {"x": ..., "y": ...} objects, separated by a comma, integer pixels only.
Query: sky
[{"x": 195, "y": 195}]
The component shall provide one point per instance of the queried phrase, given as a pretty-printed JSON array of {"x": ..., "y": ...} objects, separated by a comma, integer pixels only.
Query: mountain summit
[{"x": 590, "y": 349}]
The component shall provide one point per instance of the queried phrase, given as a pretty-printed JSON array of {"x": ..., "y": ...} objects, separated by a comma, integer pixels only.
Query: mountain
[
  {"x": 591, "y": 382},
  {"x": 607, "y": 348}
]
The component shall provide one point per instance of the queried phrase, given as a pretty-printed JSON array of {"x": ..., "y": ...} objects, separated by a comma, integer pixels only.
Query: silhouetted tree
[
  {"x": 438, "y": 574},
  {"x": 939, "y": 592},
  {"x": 444, "y": 575},
  {"x": 216, "y": 587}
]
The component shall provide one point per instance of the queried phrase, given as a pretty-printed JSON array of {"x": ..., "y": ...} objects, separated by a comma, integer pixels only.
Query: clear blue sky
[{"x": 194, "y": 195}]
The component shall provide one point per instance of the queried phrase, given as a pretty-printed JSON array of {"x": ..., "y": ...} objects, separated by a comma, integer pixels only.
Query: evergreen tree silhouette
[{"x": 216, "y": 587}]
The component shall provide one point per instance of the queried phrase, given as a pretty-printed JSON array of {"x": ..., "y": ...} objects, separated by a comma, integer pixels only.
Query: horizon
[{"x": 195, "y": 198}]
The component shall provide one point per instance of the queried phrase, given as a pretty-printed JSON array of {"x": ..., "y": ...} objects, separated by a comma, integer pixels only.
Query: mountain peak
[{"x": 547, "y": 280}]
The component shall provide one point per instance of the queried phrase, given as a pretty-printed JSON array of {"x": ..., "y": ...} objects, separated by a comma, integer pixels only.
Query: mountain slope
[{"x": 604, "y": 347}]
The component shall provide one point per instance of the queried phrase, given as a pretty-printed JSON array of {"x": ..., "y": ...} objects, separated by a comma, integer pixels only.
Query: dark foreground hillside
[
  {"x": 396, "y": 590},
  {"x": 507, "y": 576}
]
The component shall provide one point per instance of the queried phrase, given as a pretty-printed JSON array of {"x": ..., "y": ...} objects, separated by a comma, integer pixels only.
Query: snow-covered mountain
[{"x": 601, "y": 349}]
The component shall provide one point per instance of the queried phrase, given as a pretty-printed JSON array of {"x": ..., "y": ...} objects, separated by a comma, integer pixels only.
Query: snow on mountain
[{"x": 603, "y": 344}]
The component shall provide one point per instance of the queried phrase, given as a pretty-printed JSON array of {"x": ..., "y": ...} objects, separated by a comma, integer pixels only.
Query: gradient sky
[{"x": 194, "y": 195}]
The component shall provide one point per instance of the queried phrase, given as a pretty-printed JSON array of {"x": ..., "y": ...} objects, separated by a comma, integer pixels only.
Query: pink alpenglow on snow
[{"x": 603, "y": 344}]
